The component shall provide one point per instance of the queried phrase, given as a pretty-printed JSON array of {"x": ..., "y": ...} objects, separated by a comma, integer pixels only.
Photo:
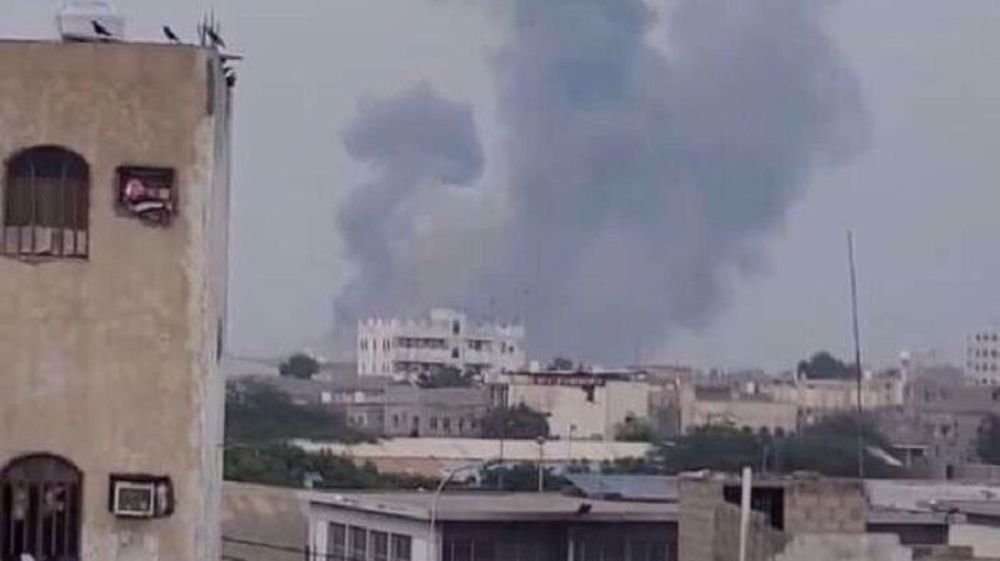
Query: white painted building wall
[
  {"x": 419, "y": 532},
  {"x": 405, "y": 347},
  {"x": 578, "y": 412},
  {"x": 982, "y": 357},
  {"x": 984, "y": 540}
]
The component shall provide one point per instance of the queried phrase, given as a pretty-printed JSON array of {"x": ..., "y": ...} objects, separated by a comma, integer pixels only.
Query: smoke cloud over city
[{"x": 648, "y": 154}]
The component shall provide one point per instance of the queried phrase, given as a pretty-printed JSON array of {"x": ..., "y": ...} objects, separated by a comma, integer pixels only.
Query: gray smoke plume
[
  {"x": 643, "y": 179},
  {"x": 414, "y": 143}
]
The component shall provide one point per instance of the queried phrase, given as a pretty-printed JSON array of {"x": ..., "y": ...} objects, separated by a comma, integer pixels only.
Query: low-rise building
[
  {"x": 414, "y": 411},
  {"x": 485, "y": 526},
  {"x": 818, "y": 398},
  {"x": 580, "y": 404},
  {"x": 700, "y": 406},
  {"x": 405, "y": 348}
]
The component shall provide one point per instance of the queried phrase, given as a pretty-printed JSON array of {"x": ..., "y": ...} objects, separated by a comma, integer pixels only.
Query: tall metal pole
[
  {"x": 857, "y": 354},
  {"x": 541, "y": 460}
]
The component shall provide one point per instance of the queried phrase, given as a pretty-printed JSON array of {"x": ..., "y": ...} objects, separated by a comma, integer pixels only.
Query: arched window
[
  {"x": 40, "y": 509},
  {"x": 46, "y": 203}
]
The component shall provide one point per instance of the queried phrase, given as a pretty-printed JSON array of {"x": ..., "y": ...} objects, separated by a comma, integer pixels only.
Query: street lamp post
[
  {"x": 541, "y": 459},
  {"x": 431, "y": 538}
]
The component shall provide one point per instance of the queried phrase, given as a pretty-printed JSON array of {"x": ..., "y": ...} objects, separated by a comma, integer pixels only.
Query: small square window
[{"x": 147, "y": 193}]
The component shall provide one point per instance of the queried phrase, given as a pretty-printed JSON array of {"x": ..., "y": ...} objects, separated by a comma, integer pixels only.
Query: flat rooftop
[{"x": 496, "y": 506}]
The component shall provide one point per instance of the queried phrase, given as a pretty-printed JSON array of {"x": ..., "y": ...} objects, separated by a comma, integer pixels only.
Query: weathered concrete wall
[
  {"x": 262, "y": 523},
  {"x": 698, "y": 499},
  {"x": 825, "y": 505},
  {"x": 844, "y": 547},
  {"x": 984, "y": 540},
  {"x": 572, "y": 414},
  {"x": 110, "y": 362}
]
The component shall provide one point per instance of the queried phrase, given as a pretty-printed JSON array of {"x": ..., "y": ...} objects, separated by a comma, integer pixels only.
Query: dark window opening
[
  {"x": 147, "y": 193},
  {"x": 40, "y": 509},
  {"x": 401, "y": 546},
  {"x": 336, "y": 542},
  {"x": 46, "y": 204},
  {"x": 380, "y": 546},
  {"x": 767, "y": 500}
]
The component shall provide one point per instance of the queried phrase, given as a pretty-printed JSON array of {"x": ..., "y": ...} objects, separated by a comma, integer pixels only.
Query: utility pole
[
  {"x": 857, "y": 354},
  {"x": 541, "y": 465}
]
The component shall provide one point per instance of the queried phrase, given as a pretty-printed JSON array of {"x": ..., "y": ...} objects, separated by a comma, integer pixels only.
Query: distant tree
[
  {"x": 988, "y": 442},
  {"x": 258, "y": 412},
  {"x": 636, "y": 430},
  {"x": 515, "y": 422},
  {"x": 717, "y": 447},
  {"x": 829, "y": 447},
  {"x": 289, "y": 466},
  {"x": 824, "y": 366},
  {"x": 561, "y": 363},
  {"x": 446, "y": 377},
  {"x": 519, "y": 477},
  {"x": 299, "y": 365}
]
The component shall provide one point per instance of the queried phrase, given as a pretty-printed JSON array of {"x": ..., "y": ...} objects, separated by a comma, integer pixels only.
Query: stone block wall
[{"x": 825, "y": 506}]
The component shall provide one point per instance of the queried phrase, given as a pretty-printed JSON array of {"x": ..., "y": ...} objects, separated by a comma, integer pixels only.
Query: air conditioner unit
[{"x": 140, "y": 496}]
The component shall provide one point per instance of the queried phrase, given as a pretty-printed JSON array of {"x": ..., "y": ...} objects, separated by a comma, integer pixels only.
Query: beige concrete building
[
  {"x": 112, "y": 299},
  {"x": 760, "y": 413},
  {"x": 816, "y": 398},
  {"x": 582, "y": 405}
]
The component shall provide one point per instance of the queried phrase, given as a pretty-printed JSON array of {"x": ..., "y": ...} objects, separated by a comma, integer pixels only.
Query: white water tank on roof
[{"x": 76, "y": 19}]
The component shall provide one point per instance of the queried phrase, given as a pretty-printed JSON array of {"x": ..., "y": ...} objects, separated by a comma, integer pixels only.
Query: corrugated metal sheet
[{"x": 648, "y": 488}]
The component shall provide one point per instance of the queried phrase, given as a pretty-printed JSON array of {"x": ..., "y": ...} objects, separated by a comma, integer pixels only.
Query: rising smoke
[
  {"x": 414, "y": 143},
  {"x": 646, "y": 160}
]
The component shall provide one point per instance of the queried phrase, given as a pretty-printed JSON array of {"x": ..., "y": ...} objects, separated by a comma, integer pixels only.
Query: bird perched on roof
[
  {"x": 100, "y": 29},
  {"x": 584, "y": 508},
  {"x": 215, "y": 37},
  {"x": 169, "y": 33}
]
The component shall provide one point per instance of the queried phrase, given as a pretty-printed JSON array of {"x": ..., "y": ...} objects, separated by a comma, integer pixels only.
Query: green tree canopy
[
  {"x": 636, "y": 430},
  {"x": 988, "y": 442},
  {"x": 829, "y": 447},
  {"x": 561, "y": 363},
  {"x": 288, "y": 466},
  {"x": 447, "y": 377},
  {"x": 515, "y": 422},
  {"x": 258, "y": 412},
  {"x": 824, "y": 366},
  {"x": 520, "y": 477},
  {"x": 299, "y": 365}
]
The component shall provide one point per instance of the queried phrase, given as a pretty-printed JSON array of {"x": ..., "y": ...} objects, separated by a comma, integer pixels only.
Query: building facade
[
  {"x": 760, "y": 414},
  {"x": 112, "y": 299},
  {"x": 483, "y": 526},
  {"x": 582, "y": 405},
  {"x": 818, "y": 398},
  {"x": 405, "y": 348},
  {"x": 982, "y": 357}
]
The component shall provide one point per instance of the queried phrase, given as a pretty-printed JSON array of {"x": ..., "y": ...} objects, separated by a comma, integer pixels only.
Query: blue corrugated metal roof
[{"x": 649, "y": 488}]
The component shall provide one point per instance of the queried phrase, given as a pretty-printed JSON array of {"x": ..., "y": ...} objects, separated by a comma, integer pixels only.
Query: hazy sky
[{"x": 921, "y": 194}]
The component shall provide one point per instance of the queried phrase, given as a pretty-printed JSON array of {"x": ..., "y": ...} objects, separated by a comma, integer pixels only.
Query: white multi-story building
[
  {"x": 983, "y": 356},
  {"x": 446, "y": 338}
]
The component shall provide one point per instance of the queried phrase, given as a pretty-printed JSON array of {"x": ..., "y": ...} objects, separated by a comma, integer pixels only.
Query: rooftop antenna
[{"x": 857, "y": 354}]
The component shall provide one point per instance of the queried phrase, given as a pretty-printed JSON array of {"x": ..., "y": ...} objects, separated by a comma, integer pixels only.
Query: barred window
[
  {"x": 46, "y": 204},
  {"x": 40, "y": 508}
]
